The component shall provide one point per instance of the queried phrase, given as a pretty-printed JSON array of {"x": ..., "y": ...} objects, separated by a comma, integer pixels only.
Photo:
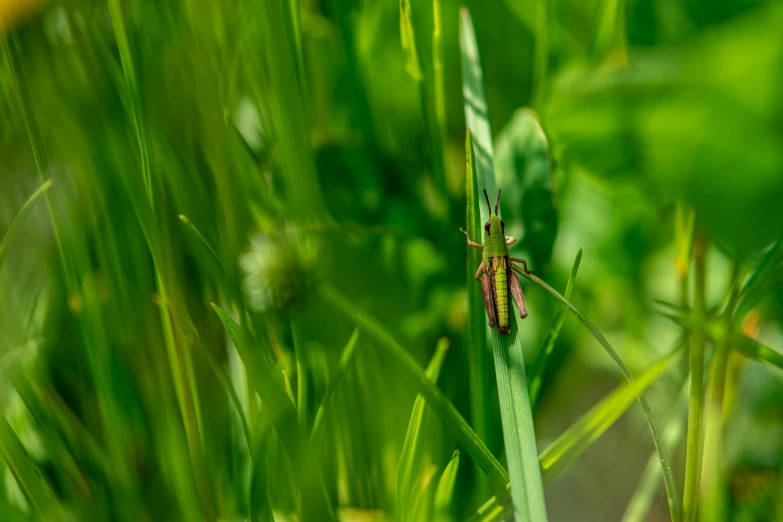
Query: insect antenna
[
  {"x": 489, "y": 206},
  {"x": 497, "y": 201}
]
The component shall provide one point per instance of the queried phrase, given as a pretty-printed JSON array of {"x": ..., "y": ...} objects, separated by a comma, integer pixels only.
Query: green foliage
[{"x": 305, "y": 165}]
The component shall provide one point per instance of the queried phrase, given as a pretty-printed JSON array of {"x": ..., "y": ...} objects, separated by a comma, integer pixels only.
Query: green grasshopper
[{"x": 496, "y": 271}]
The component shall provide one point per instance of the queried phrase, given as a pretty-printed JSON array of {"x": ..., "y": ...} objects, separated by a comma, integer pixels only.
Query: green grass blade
[
  {"x": 444, "y": 409},
  {"x": 517, "y": 418},
  {"x": 408, "y": 41},
  {"x": 576, "y": 439},
  {"x": 410, "y": 457},
  {"x": 475, "y": 105},
  {"x": 668, "y": 473},
  {"x": 27, "y": 476},
  {"x": 642, "y": 499},
  {"x": 16, "y": 223},
  {"x": 561, "y": 453},
  {"x": 267, "y": 383},
  {"x": 437, "y": 66},
  {"x": 480, "y": 368},
  {"x": 760, "y": 352},
  {"x": 698, "y": 345},
  {"x": 188, "y": 223},
  {"x": 444, "y": 493},
  {"x": 342, "y": 366},
  {"x": 539, "y": 363}
]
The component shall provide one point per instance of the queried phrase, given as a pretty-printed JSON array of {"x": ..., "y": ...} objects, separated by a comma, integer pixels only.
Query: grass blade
[
  {"x": 539, "y": 363},
  {"x": 342, "y": 366},
  {"x": 517, "y": 418},
  {"x": 188, "y": 223},
  {"x": 408, "y": 41},
  {"x": 27, "y": 476},
  {"x": 479, "y": 368},
  {"x": 475, "y": 105},
  {"x": 601, "y": 417},
  {"x": 755, "y": 350},
  {"x": 668, "y": 474},
  {"x": 16, "y": 223},
  {"x": 444, "y": 409},
  {"x": 267, "y": 383},
  {"x": 444, "y": 493},
  {"x": 576, "y": 439},
  {"x": 410, "y": 457},
  {"x": 642, "y": 499}
]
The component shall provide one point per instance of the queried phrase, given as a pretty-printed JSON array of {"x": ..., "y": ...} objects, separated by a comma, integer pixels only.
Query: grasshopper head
[{"x": 494, "y": 226}]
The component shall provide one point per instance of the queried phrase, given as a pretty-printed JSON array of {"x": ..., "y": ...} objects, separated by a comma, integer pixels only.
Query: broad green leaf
[
  {"x": 524, "y": 169},
  {"x": 412, "y": 447}
]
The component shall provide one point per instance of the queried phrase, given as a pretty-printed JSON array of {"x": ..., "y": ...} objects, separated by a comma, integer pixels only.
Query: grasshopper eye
[
  {"x": 502, "y": 225},
  {"x": 486, "y": 226}
]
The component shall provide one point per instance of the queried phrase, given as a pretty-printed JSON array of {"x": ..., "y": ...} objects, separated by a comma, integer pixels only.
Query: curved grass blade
[
  {"x": 539, "y": 363},
  {"x": 14, "y": 227},
  {"x": 410, "y": 457},
  {"x": 576, "y": 439},
  {"x": 188, "y": 223},
  {"x": 24, "y": 471},
  {"x": 668, "y": 474},
  {"x": 642, "y": 499},
  {"x": 444, "y": 493},
  {"x": 342, "y": 366},
  {"x": 444, "y": 409},
  {"x": 561, "y": 453}
]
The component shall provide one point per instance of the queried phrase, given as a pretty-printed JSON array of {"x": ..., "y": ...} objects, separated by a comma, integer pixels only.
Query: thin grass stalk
[
  {"x": 668, "y": 474},
  {"x": 693, "y": 455},
  {"x": 714, "y": 507}
]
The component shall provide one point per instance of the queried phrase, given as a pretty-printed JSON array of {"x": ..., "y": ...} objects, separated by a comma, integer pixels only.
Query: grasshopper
[{"x": 496, "y": 271}]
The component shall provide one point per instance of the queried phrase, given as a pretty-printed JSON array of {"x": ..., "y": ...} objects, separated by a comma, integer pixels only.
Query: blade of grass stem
[
  {"x": 668, "y": 474},
  {"x": 444, "y": 493},
  {"x": 479, "y": 367},
  {"x": 16, "y": 223},
  {"x": 24, "y": 471},
  {"x": 538, "y": 368},
  {"x": 517, "y": 418},
  {"x": 755, "y": 350},
  {"x": 342, "y": 366},
  {"x": 690, "y": 500},
  {"x": 188, "y": 223},
  {"x": 412, "y": 449},
  {"x": 642, "y": 499},
  {"x": 444, "y": 409}
]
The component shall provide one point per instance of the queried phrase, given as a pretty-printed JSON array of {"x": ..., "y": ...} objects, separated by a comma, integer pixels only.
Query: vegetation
[{"x": 233, "y": 285}]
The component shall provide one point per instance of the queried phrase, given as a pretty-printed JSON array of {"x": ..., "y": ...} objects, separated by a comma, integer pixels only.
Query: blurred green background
[{"x": 312, "y": 155}]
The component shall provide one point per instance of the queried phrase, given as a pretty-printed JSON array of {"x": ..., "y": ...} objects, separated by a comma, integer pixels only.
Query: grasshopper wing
[
  {"x": 516, "y": 292},
  {"x": 489, "y": 299}
]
